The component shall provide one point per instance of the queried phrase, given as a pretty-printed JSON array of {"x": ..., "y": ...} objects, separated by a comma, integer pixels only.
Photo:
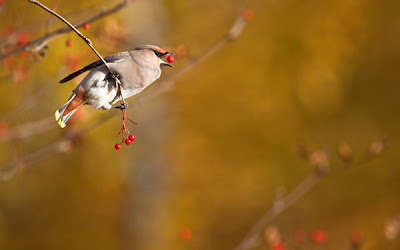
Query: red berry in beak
[
  {"x": 131, "y": 137},
  {"x": 127, "y": 141},
  {"x": 170, "y": 59},
  {"x": 117, "y": 146}
]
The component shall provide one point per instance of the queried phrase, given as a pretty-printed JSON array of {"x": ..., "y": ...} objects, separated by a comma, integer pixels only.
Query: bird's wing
[{"x": 115, "y": 58}]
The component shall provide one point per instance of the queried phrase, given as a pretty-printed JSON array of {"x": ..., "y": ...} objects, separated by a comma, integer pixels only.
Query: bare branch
[
  {"x": 84, "y": 38},
  {"x": 29, "y": 129},
  {"x": 316, "y": 158},
  {"x": 8, "y": 170},
  {"x": 250, "y": 239},
  {"x": 40, "y": 42}
]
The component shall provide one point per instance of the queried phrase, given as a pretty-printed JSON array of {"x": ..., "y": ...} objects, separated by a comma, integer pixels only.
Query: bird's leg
[
  {"x": 122, "y": 106},
  {"x": 114, "y": 75}
]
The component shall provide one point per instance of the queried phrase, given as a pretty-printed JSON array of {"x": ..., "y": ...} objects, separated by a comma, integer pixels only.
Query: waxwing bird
[{"x": 136, "y": 70}]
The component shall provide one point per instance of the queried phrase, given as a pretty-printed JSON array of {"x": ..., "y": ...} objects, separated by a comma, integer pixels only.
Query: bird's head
[{"x": 156, "y": 52}]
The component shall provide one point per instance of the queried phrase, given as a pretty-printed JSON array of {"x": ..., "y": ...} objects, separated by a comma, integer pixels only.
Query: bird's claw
[
  {"x": 122, "y": 106},
  {"x": 114, "y": 75}
]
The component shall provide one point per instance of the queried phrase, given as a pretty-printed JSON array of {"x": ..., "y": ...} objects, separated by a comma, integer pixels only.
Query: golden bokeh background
[{"x": 218, "y": 149}]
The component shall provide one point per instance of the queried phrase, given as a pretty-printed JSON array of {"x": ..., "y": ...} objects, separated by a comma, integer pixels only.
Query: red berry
[
  {"x": 356, "y": 236},
  {"x": 185, "y": 234},
  {"x": 117, "y": 146},
  {"x": 127, "y": 141},
  {"x": 247, "y": 15},
  {"x": 86, "y": 26},
  {"x": 319, "y": 236},
  {"x": 131, "y": 137},
  {"x": 279, "y": 246},
  {"x": 170, "y": 59},
  {"x": 3, "y": 128},
  {"x": 68, "y": 43},
  {"x": 23, "y": 38}
]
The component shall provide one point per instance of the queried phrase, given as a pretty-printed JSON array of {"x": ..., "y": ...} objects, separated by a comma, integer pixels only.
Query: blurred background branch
[
  {"x": 41, "y": 126},
  {"x": 319, "y": 160},
  {"x": 41, "y": 42},
  {"x": 214, "y": 148}
]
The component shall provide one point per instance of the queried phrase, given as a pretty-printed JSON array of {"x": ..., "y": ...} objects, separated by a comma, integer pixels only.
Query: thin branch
[
  {"x": 29, "y": 129},
  {"x": 9, "y": 169},
  {"x": 84, "y": 38},
  {"x": 164, "y": 84},
  {"x": 321, "y": 163},
  {"x": 118, "y": 84},
  {"x": 48, "y": 23},
  {"x": 250, "y": 239},
  {"x": 234, "y": 32},
  {"x": 40, "y": 42}
]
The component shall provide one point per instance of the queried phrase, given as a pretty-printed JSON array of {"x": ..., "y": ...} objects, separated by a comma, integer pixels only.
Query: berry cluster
[
  {"x": 128, "y": 141},
  {"x": 127, "y": 137}
]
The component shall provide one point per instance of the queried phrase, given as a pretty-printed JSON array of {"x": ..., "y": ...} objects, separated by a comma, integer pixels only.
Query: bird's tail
[{"x": 64, "y": 113}]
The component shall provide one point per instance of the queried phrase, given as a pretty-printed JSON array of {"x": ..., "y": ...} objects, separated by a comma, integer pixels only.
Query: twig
[
  {"x": 250, "y": 239},
  {"x": 8, "y": 169},
  {"x": 317, "y": 159},
  {"x": 50, "y": 18},
  {"x": 40, "y": 42},
  {"x": 118, "y": 84},
  {"x": 29, "y": 129},
  {"x": 234, "y": 32},
  {"x": 84, "y": 38}
]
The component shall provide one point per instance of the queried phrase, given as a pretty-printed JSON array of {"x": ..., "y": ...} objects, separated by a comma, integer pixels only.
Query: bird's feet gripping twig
[
  {"x": 122, "y": 107},
  {"x": 124, "y": 131}
]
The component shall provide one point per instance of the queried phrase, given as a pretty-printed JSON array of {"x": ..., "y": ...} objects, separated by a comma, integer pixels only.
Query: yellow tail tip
[
  {"x": 62, "y": 125},
  {"x": 57, "y": 115}
]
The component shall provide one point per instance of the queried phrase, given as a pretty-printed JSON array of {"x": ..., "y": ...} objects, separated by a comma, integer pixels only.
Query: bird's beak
[
  {"x": 164, "y": 63},
  {"x": 167, "y": 64}
]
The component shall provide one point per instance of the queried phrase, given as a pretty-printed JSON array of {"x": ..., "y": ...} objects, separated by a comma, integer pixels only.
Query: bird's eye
[{"x": 158, "y": 54}]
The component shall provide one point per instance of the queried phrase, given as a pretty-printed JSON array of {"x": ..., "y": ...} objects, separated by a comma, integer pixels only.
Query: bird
[{"x": 136, "y": 70}]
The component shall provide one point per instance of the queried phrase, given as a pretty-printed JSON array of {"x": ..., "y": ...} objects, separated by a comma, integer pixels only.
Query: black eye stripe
[{"x": 158, "y": 54}]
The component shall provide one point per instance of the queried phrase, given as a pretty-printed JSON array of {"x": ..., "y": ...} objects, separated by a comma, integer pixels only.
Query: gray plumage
[{"x": 136, "y": 70}]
